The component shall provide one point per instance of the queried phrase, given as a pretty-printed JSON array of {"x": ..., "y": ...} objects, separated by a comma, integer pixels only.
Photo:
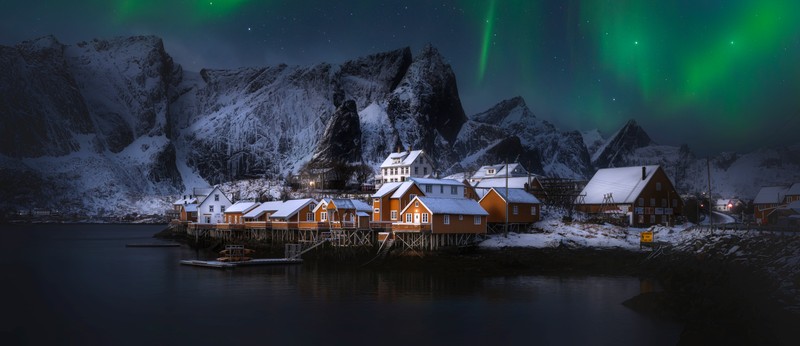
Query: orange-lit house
[
  {"x": 188, "y": 212},
  {"x": 389, "y": 200},
  {"x": 768, "y": 199},
  {"x": 523, "y": 207},
  {"x": 642, "y": 194},
  {"x": 235, "y": 213},
  {"x": 442, "y": 216},
  {"x": 347, "y": 213},
  {"x": 259, "y": 217},
  {"x": 292, "y": 212}
]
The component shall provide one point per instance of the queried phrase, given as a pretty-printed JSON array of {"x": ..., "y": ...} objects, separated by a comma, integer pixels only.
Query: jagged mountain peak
[
  {"x": 507, "y": 112},
  {"x": 619, "y": 146}
]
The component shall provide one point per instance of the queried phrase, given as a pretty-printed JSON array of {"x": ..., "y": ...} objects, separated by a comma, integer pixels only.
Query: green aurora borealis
[{"x": 718, "y": 75}]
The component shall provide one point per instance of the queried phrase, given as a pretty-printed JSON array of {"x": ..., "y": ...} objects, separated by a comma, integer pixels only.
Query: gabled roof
[
  {"x": 428, "y": 181},
  {"x": 187, "y": 200},
  {"x": 263, "y": 208},
  {"x": 513, "y": 182},
  {"x": 404, "y": 186},
  {"x": 514, "y": 169},
  {"x": 241, "y": 207},
  {"x": 461, "y": 206},
  {"x": 342, "y": 203},
  {"x": 361, "y": 206},
  {"x": 386, "y": 189},
  {"x": 202, "y": 191},
  {"x": 291, "y": 207},
  {"x": 794, "y": 190},
  {"x": 771, "y": 195},
  {"x": 623, "y": 183},
  {"x": 406, "y": 158},
  {"x": 210, "y": 193},
  {"x": 515, "y": 196}
]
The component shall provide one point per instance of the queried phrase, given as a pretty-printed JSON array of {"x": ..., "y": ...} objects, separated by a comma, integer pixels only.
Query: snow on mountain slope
[
  {"x": 593, "y": 140},
  {"x": 561, "y": 154}
]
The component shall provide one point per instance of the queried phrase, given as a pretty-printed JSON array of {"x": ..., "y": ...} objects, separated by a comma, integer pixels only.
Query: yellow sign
[{"x": 646, "y": 237}]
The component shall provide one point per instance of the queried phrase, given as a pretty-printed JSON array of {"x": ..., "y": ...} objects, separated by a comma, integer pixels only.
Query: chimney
[
  {"x": 644, "y": 172},
  {"x": 409, "y": 148},
  {"x": 398, "y": 149}
]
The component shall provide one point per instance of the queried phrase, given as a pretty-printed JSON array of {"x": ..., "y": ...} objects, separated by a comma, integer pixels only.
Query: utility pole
[
  {"x": 505, "y": 234},
  {"x": 710, "y": 209}
]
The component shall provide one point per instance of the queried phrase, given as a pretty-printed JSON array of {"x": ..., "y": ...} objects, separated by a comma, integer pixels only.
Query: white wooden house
[
  {"x": 212, "y": 209},
  {"x": 401, "y": 165}
]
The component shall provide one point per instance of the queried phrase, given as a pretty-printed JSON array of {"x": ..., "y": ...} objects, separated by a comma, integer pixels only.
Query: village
[{"x": 411, "y": 208}]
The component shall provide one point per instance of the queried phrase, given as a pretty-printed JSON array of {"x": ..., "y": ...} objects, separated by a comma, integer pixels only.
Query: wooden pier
[{"x": 250, "y": 263}]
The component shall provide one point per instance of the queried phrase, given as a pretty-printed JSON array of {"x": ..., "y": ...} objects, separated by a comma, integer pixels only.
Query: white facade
[
  {"x": 401, "y": 165},
  {"x": 212, "y": 209}
]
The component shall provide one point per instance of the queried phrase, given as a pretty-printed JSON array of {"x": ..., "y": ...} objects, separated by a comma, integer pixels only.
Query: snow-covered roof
[
  {"x": 241, "y": 207},
  {"x": 208, "y": 196},
  {"x": 341, "y": 203},
  {"x": 516, "y": 196},
  {"x": 794, "y": 206},
  {"x": 263, "y": 208},
  {"x": 514, "y": 169},
  {"x": 361, "y": 206},
  {"x": 361, "y": 213},
  {"x": 461, "y": 206},
  {"x": 202, "y": 191},
  {"x": 386, "y": 189},
  {"x": 771, "y": 195},
  {"x": 623, "y": 183},
  {"x": 406, "y": 158},
  {"x": 794, "y": 190},
  {"x": 187, "y": 200},
  {"x": 291, "y": 207},
  {"x": 402, "y": 189},
  {"x": 513, "y": 182},
  {"x": 190, "y": 208},
  {"x": 429, "y": 181}
]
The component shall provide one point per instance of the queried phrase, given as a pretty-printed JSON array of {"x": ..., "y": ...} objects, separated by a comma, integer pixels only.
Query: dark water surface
[{"x": 79, "y": 285}]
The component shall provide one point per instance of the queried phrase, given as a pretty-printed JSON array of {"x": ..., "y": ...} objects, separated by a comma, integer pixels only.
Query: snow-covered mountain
[{"x": 116, "y": 125}]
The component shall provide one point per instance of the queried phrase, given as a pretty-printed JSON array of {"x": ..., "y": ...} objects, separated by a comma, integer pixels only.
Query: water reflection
[{"x": 80, "y": 285}]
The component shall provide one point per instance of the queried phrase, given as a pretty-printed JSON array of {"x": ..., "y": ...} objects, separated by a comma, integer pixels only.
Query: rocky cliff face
[
  {"x": 560, "y": 153},
  {"x": 621, "y": 145},
  {"x": 109, "y": 124}
]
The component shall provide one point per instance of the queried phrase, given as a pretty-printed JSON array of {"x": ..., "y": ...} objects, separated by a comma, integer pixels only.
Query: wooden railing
[
  {"x": 283, "y": 225},
  {"x": 411, "y": 227},
  {"x": 257, "y": 225},
  {"x": 230, "y": 226},
  {"x": 383, "y": 225},
  {"x": 313, "y": 225}
]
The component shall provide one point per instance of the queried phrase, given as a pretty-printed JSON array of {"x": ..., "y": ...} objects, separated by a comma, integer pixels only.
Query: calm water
[{"x": 78, "y": 284}]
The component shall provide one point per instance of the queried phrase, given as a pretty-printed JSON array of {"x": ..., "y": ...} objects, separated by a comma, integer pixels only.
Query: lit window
[
  {"x": 425, "y": 217},
  {"x": 477, "y": 219},
  {"x": 446, "y": 219}
]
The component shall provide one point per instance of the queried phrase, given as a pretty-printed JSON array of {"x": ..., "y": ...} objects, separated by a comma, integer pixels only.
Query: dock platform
[{"x": 254, "y": 262}]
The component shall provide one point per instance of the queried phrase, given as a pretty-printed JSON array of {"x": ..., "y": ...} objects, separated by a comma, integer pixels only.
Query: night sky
[{"x": 717, "y": 75}]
